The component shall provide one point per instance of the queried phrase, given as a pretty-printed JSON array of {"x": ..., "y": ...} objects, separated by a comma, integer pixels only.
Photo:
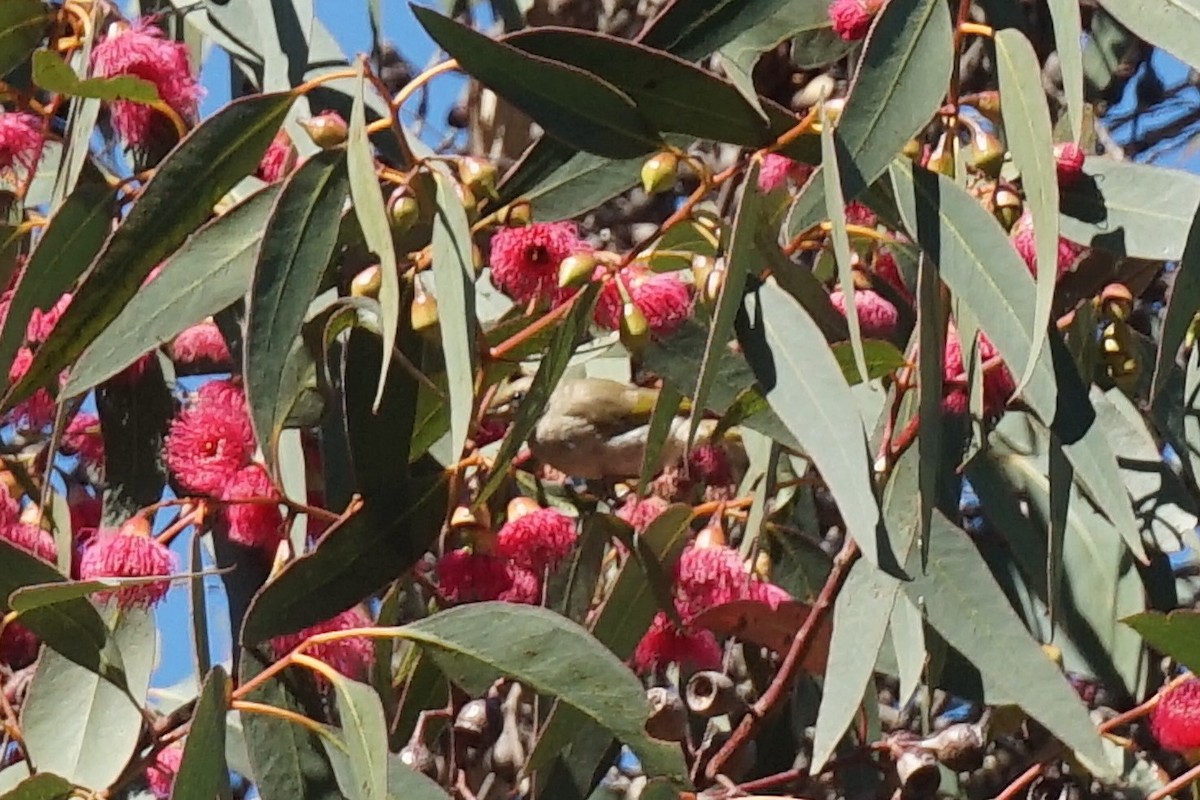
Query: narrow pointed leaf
[
  {"x": 454, "y": 274},
  {"x": 53, "y": 74},
  {"x": 211, "y": 271},
  {"x": 570, "y": 104},
  {"x": 297, "y": 246},
  {"x": 805, "y": 388},
  {"x": 835, "y": 209},
  {"x": 1176, "y": 634},
  {"x": 553, "y": 656},
  {"x": 22, "y": 23},
  {"x": 693, "y": 29},
  {"x": 177, "y": 200},
  {"x": 1068, "y": 34},
  {"x": 1182, "y": 306},
  {"x": 42, "y": 786},
  {"x": 364, "y": 730},
  {"x": 1030, "y": 138},
  {"x": 899, "y": 85},
  {"x": 561, "y": 182},
  {"x": 203, "y": 773}
]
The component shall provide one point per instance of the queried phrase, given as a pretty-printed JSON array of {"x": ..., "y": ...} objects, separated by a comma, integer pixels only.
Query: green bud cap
[
  {"x": 635, "y": 328},
  {"x": 327, "y": 130},
  {"x": 403, "y": 210},
  {"x": 659, "y": 173},
  {"x": 478, "y": 174},
  {"x": 367, "y": 282},
  {"x": 424, "y": 312},
  {"x": 576, "y": 270}
]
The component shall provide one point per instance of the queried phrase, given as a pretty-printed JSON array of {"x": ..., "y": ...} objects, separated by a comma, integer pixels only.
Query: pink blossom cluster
[
  {"x": 350, "y": 656},
  {"x": 210, "y": 449},
  {"x": 527, "y": 547}
]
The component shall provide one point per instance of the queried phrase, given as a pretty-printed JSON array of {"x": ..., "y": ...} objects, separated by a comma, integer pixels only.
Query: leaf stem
[
  {"x": 248, "y": 706},
  {"x": 537, "y": 326},
  {"x": 416, "y": 83},
  {"x": 781, "y": 684}
]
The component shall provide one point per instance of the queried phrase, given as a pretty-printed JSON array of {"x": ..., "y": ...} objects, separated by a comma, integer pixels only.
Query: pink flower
[
  {"x": 859, "y": 214},
  {"x": 10, "y": 508},
  {"x": 998, "y": 383},
  {"x": 852, "y": 18},
  {"x": 202, "y": 343},
  {"x": 709, "y": 463},
  {"x": 1022, "y": 239},
  {"x": 1175, "y": 721},
  {"x": 212, "y": 439},
  {"x": 466, "y": 577},
  {"x": 85, "y": 509},
  {"x": 663, "y": 299},
  {"x": 33, "y": 539},
  {"x": 41, "y": 323},
  {"x": 769, "y": 593},
  {"x": 640, "y": 513},
  {"x": 351, "y": 656},
  {"x": 18, "y": 646},
  {"x": 877, "y": 318},
  {"x": 38, "y": 410},
  {"x": 82, "y": 438},
  {"x": 707, "y": 577},
  {"x": 776, "y": 170},
  {"x": 128, "y": 552},
  {"x": 21, "y": 142},
  {"x": 525, "y": 261},
  {"x": 887, "y": 269},
  {"x": 1068, "y": 163},
  {"x": 140, "y": 50},
  {"x": 252, "y": 524},
  {"x": 279, "y": 158},
  {"x": 665, "y": 644},
  {"x": 536, "y": 541},
  {"x": 161, "y": 774}
]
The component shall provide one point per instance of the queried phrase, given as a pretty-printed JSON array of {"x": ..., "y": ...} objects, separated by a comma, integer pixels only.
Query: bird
[{"x": 597, "y": 429}]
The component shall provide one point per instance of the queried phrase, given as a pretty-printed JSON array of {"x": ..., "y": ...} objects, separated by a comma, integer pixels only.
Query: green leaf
[
  {"x": 1175, "y": 634},
  {"x": 561, "y": 182},
  {"x": 203, "y": 773},
  {"x": 373, "y": 220},
  {"x": 297, "y": 245},
  {"x": 982, "y": 269},
  {"x": 454, "y": 274},
  {"x": 900, "y": 83},
  {"x": 22, "y": 23},
  {"x": 53, "y": 74},
  {"x": 742, "y": 259},
  {"x": 1028, "y": 132},
  {"x": 1173, "y": 25},
  {"x": 287, "y": 761},
  {"x": 364, "y": 730},
  {"x": 882, "y": 359},
  {"x": 75, "y": 234},
  {"x": 553, "y": 656},
  {"x": 662, "y": 420},
  {"x": 673, "y": 95},
  {"x": 569, "y": 104},
  {"x": 211, "y": 271},
  {"x": 1182, "y": 306},
  {"x": 554, "y": 363},
  {"x": 1130, "y": 209},
  {"x": 835, "y": 209},
  {"x": 965, "y": 605},
  {"x": 185, "y": 187},
  {"x": 360, "y": 556},
  {"x": 805, "y": 388},
  {"x": 80, "y": 726},
  {"x": 862, "y": 612},
  {"x": 695, "y": 29},
  {"x": 42, "y": 786},
  {"x": 1068, "y": 32},
  {"x": 72, "y": 628},
  {"x": 807, "y": 19},
  {"x": 404, "y": 783}
]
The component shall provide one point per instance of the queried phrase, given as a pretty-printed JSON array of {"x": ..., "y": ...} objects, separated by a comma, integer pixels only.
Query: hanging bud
[
  {"x": 762, "y": 565},
  {"x": 958, "y": 746},
  {"x": 912, "y": 149},
  {"x": 1116, "y": 301},
  {"x": 819, "y": 88},
  {"x": 659, "y": 173},
  {"x": 137, "y": 525},
  {"x": 1068, "y": 163},
  {"x": 32, "y": 515},
  {"x": 367, "y": 283},
  {"x": 520, "y": 507},
  {"x": 478, "y": 174},
  {"x": 467, "y": 198},
  {"x": 327, "y": 130},
  {"x": 517, "y": 214},
  {"x": 712, "y": 534},
  {"x": 1008, "y": 207},
  {"x": 985, "y": 153},
  {"x": 576, "y": 270},
  {"x": 477, "y": 721},
  {"x": 941, "y": 159},
  {"x": 403, "y": 210},
  {"x": 424, "y": 310},
  {"x": 635, "y": 329}
]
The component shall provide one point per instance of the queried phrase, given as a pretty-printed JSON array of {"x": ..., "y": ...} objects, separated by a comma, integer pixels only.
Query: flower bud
[
  {"x": 403, "y": 210},
  {"x": 912, "y": 150},
  {"x": 1068, "y": 163},
  {"x": 635, "y": 328},
  {"x": 986, "y": 153},
  {"x": 32, "y": 515},
  {"x": 465, "y": 518},
  {"x": 424, "y": 311},
  {"x": 702, "y": 267},
  {"x": 327, "y": 130},
  {"x": 517, "y": 214},
  {"x": 576, "y": 270},
  {"x": 819, "y": 88},
  {"x": 520, "y": 507},
  {"x": 467, "y": 198},
  {"x": 712, "y": 534},
  {"x": 958, "y": 746},
  {"x": 941, "y": 159},
  {"x": 1008, "y": 207},
  {"x": 1117, "y": 301},
  {"x": 478, "y": 174},
  {"x": 136, "y": 525},
  {"x": 659, "y": 173},
  {"x": 367, "y": 283}
]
